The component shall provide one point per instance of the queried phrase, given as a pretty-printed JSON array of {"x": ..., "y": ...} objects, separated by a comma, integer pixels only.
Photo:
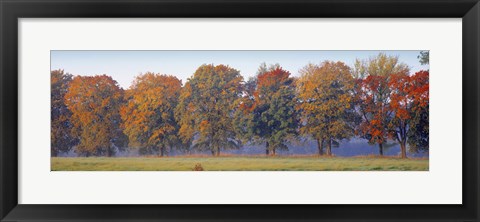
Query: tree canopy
[
  {"x": 207, "y": 106},
  {"x": 373, "y": 93},
  {"x": 148, "y": 115},
  {"x": 269, "y": 108},
  {"x": 95, "y": 105},
  {"x": 409, "y": 102},
  {"x": 326, "y": 102},
  {"x": 62, "y": 139}
]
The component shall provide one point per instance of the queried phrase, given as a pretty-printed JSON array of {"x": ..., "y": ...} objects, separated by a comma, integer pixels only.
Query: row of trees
[{"x": 217, "y": 109}]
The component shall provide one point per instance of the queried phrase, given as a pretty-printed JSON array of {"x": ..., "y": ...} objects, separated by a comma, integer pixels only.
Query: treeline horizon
[{"x": 377, "y": 99}]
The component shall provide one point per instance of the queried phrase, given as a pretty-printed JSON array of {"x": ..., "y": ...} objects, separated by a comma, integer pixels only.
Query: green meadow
[{"x": 238, "y": 163}]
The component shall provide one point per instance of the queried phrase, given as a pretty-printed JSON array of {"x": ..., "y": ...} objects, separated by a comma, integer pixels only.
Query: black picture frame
[{"x": 11, "y": 11}]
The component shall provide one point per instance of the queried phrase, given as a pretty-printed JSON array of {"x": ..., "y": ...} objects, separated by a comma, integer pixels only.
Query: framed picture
[{"x": 227, "y": 110}]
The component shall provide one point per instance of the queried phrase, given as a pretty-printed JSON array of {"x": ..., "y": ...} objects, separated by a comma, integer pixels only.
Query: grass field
[{"x": 238, "y": 163}]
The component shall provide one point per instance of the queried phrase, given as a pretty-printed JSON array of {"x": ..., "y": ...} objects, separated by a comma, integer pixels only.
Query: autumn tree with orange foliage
[
  {"x": 148, "y": 116},
  {"x": 61, "y": 127},
  {"x": 409, "y": 100},
  {"x": 207, "y": 106},
  {"x": 269, "y": 108},
  {"x": 95, "y": 105},
  {"x": 373, "y": 96},
  {"x": 326, "y": 101}
]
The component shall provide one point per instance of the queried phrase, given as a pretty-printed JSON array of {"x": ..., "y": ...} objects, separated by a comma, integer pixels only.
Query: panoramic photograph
[{"x": 239, "y": 110}]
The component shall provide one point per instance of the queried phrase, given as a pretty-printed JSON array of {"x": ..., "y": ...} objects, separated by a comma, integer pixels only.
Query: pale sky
[{"x": 123, "y": 66}]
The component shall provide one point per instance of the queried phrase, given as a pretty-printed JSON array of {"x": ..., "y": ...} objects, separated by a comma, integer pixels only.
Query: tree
[
  {"x": 270, "y": 107},
  {"x": 418, "y": 138},
  {"x": 373, "y": 95},
  {"x": 61, "y": 128},
  {"x": 418, "y": 134},
  {"x": 207, "y": 106},
  {"x": 185, "y": 119},
  {"x": 380, "y": 65},
  {"x": 243, "y": 116},
  {"x": 148, "y": 115},
  {"x": 326, "y": 102},
  {"x": 409, "y": 102},
  {"x": 424, "y": 57},
  {"x": 95, "y": 105},
  {"x": 263, "y": 68}
]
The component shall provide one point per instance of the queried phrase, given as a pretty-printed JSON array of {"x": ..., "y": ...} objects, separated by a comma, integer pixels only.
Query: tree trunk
[
  {"x": 320, "y": 146},
  {"x": 403, "y": 148},
  {"x": 329, "y": 147},
  {"x": 273, "y": 151},
  {"x": 217, "y": 151},
  {"x": 162, "y": 151},
  {"x": 380, "y": 149},
  {"x": 267, "y": 147},
  {"x": 108, "y": 152}
]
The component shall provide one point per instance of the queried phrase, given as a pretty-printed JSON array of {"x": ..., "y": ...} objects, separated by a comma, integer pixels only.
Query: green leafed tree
[
  {"x": 424, "y": 57},
  {"x": 148, "y": 115},
  {"x": 268, "y": 107},
  {"x": 207, "y": 106},
  {"x": 62, "y": 139},
  {"x": 326, "y": 102}
]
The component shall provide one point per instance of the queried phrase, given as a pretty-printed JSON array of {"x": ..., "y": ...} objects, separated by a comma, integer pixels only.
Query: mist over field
[{"x": 347, "y": 148}]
